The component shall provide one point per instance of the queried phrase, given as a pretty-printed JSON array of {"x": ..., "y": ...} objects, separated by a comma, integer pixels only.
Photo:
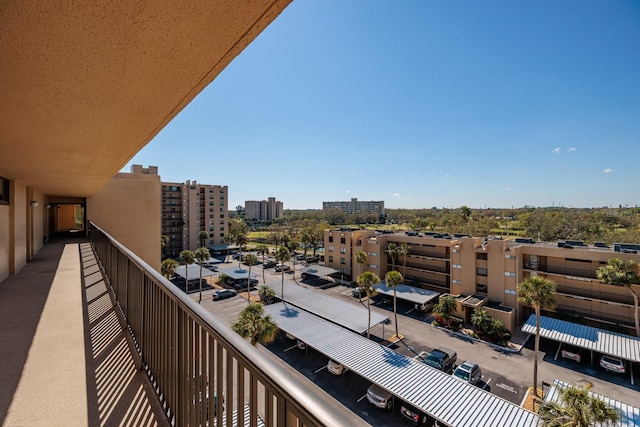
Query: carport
[
  {"x": 593, "y": 339},
  {"x": 236, "y": 273},
  {"x": 443, "y": 397},
  {"x": 629, "y": 415},
  {"x": 318, "y": 271},
  {"x": 342, "y": 313},
  {"x": 418, "y": 296},
  {"x": 193, "y": 271}
]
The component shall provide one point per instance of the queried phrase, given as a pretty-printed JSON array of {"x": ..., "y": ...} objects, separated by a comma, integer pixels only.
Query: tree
[
  {"x": 186, "y": 258},
  {"x": 253, "y": 324},
  {"x": 203, "y": 235},
  {"x": 361, "y": 258},
  {"x": 266, "y": 294},
  {"x": 445, "y": 307},
  {"x": 577, "y": 407},
  {"x": 392, "y": 251},
  {"x": 366, "y": 282},
  {"x": 202, "y": 255},
  {"x": 164, "y": 240},
  {"x": 403, "y": 250},
  {"x": 293, "y": 245},
  {"x": 169, "y": 267},
  {"x": 622, "y": 273},
  {"x": 537, "y": 292},
  {"x": 250, "y": 260},
  {"x": 262, "y": 250},
  {"x": 393, "y": 279},
  {"x": 282, "y": 256},
  {"x": 481, "y": 320},
  {"x": 241, "y": 241}
]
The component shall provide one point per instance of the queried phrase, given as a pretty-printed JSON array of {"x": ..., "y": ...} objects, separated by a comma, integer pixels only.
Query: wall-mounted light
[
  {"x": 34, "y": 203},
  {"x": 48, "y": 206}
]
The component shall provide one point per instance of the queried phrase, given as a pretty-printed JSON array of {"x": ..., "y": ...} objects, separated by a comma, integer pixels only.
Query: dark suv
[{"x": 441, "y": 358}]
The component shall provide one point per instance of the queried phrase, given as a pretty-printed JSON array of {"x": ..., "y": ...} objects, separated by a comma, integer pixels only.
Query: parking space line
[
  {"x": 359, "y": 400},
  {"x": 324, "y": 367},
  {"x": 290, "y": 348},
  {"x": 486, "y": 383},
  {"x": 413, "y": 309}
]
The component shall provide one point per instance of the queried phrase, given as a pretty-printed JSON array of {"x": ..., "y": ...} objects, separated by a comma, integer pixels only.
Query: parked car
[
  {"x": 242, "y": 283},
  {"x": 571, "y": 353},
  {"x": 380, "y": 397},
  {"x": 612, "y": 364},
  {"x": 441, "y": 358},
  {"x": 356, "y": 293},
  {"x": 469, "y": 372},
  {"x": 415, "y": 416},
  {"x": 300, "y": 257},
  {"x": 312, "y": 259},
  {"x": 269, "y": 264},
  {"x": 424, "y": 306},
  {"x": 282, "y": 267},
  {"x": 223, "y": 293},
  {"x": 336, "y": 368},
  {"x": 301, "y": 344}
]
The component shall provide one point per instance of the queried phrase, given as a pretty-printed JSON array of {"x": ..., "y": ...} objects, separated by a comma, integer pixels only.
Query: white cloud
[
  {"x": 347, "y": 191},
  {"x": 556, "y": 150},
  {"x": 608, "y": 170},
  {"x": 572, "y": 149},
  {"x": 508, "y": 188},
  {"x": 396, "y": 194}
]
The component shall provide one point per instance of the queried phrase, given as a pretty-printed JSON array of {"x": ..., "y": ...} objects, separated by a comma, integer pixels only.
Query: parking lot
[{"x": 506, "y": 375}]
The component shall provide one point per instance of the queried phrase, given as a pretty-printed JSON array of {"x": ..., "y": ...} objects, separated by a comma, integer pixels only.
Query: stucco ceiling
[{"x": 84, "y": 85}]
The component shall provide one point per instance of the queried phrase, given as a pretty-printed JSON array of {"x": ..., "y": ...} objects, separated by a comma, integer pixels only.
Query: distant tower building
[
  {"x": 189, "y": 208},
  {"x": 263, "y": 210},
  {"x": 354, "y": 206}
]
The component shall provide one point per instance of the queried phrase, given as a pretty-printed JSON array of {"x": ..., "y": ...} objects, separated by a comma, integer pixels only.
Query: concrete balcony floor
[{"x": 64, "y": 358}]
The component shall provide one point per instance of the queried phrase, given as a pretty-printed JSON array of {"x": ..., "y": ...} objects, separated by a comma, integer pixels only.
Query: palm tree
[
  {"x": 186, "y": 257},
  {"x": 229, "y": 239},
  {"x": 481, "y": 320},
  {"x": 250, "y": 260},
  {"x": 164, "y": 240},
  {"x": 202, "y": 255},
  {"x": 392, "y": 251},
  {"x": 252, "y": 323},
  {"x": 262, "y": 250},
  {"x": 293, "y": 246},
  {"x": 403, "y": 250},
  {"x": 393, "y": 279},
  {"x": 577, "y": 407},
  {"x": 445, "y": 307},
  {"x": 537, "y": 292},
  {"x": 266, "y": 294},
  {"x": 282, "y": 256},
  {"x": 361, "y": 258},
  {"x": 240, "y": 240},
  {"x": 622, "y": 273},
  {"x": 169, "y": 266},
  {"x": 366, "y": 282},
  {"x": 203, "y": 237}
]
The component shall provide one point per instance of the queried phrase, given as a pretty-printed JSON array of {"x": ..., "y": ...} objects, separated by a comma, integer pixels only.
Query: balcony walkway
[{"x": 64, "y": 359}]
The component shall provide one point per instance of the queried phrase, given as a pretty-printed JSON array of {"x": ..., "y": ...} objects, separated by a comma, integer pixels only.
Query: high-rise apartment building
[
  {"x": 189, "y": 208},
  {"x": 355, "y": 206},
  {"x": 485, "y": 272},
  {"x": 263, "y": 210}
]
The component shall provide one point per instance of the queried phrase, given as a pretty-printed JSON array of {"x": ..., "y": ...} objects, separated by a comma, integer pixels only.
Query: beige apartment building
[
  {"x": 485, "y": 272},
  {"x": 263, "y": 210},
  {"x": 356, "y": 206},
  {"x": 189, "y": 208}
]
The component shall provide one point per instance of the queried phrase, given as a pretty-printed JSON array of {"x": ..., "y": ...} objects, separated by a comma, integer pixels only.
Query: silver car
[{"x": 469, "y": 372}]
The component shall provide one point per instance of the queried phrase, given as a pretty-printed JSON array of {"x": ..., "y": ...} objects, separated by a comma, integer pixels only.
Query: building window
[
  {"x": 456, "y": 281},
  {"x": 481, "y": 288},
  {"x": 343, "y": 261},
  {"x": 330, "y": 248},
  {"x": 372, "y": 253},
  {"x": 4, "y": 191},
  {"x": 509, "y": 274},
  {"x": 331, "y": 239},
  {"x": 330, "y": 258},
  {"x": 456, "y": 266},
  {"x": 343, "y": 250},
  {"x": 481, "y": 271},
  {"x": 372, "y": 266},
  {"x": 343, "y": 240},
  {"x": 481, "y": 256},
  {"x": 510, "y": 257}
]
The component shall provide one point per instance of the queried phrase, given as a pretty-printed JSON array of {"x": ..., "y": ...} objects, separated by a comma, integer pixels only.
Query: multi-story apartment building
[
  {"x": 486, "y": 271},
  {"x": 263, "y": 210},
  {"x": 355, "y": 206},
  {"x": 189, "y": 208}
]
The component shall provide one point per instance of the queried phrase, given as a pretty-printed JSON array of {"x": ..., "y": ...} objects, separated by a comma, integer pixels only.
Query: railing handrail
[{"x": 278, "y": 378}]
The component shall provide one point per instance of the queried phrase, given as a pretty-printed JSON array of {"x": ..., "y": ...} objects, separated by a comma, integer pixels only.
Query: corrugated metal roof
[
  {"x": 343, "y": 313},
  {"x": 409, "y": 293},
  {"x": 442, "y": 396},
  {"x": 614, "y": 344},
  {"x": 237, "y": 272},
  {"x": 193, "y": 271},
  {"x": 629, "y": 415},
  {"x": 318, "y": 270}
]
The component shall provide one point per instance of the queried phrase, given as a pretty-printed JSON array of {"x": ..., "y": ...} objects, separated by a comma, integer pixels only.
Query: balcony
[
  {"x": 564, "y": 271},
  {"x": 125, "y": 347}
]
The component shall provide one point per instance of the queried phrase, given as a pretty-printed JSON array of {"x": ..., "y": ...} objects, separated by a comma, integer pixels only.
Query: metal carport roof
[
  {"x": 236, "y": 273},
  {"x": 343, "y": 313},
  {"x": 629, "y": 415},
  {"x": 193, "y": 271},
  {"x": 318, "y": 270},
  {"x": 409, "y": 293},
  {"x": 442, "y": 396},
  {"x": 614, "y": 344}
]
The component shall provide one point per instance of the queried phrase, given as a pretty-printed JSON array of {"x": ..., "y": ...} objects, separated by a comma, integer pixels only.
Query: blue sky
[{"x": 422, "y": 103}]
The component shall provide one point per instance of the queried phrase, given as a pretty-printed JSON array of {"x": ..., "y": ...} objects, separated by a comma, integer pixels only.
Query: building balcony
[
  {"x": 93, "y": 336},
  {"x": 564, "y": 271}
]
